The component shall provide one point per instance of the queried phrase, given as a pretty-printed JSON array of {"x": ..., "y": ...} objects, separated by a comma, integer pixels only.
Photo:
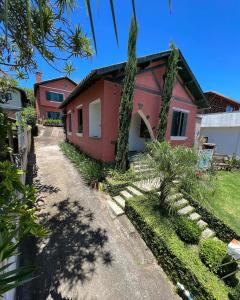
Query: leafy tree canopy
[{"x": 29, "y": 28}]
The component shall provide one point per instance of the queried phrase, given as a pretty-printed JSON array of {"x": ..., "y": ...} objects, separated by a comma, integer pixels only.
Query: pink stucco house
[
  {"x": 49, "y": 95},
  {"x": 92, "y": 108}
]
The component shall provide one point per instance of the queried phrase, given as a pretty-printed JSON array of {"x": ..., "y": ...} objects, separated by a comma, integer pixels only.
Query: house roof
[
  {"x": 50, "y": 80},
  {"x": 227, "y": 99},
  {"x": 184, "y": 71}
]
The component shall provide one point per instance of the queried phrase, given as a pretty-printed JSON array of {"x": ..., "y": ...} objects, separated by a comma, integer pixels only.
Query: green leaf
[
  {"x": 89, "y": 10},
  {"x": 114, "y": 19}
]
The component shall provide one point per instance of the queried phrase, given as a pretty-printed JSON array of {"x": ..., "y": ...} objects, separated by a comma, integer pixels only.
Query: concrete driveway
[{"x": 87, "y": 255}]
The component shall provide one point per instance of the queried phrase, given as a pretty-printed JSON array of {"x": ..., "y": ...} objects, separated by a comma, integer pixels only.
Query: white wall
[
  {"x": 226, "y": 119},
  {"x": 15, "y": 103},
  {"x": 136, "y": 143},
  {"x": 95, "y": 119},
  {"x": 227, "y": 139}
]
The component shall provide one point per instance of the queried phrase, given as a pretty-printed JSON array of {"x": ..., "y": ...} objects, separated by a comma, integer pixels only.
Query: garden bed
[{"x": 179, "y": 260}]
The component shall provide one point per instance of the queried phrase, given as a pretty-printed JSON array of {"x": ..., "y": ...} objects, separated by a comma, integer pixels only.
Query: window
[
  {"x": 229, "y": 108},
  {"x": 6, "y": 97},
  {"x": 95, "y": 119},
  {"x": 51, "y": 96},
  {"x": 70, "y": 122},
  {"x": 179, "y": 123},
  {"x": 144, "y": 133},
  {"x": 53, "y": 115},
  {"x": 80, "y": 120}
]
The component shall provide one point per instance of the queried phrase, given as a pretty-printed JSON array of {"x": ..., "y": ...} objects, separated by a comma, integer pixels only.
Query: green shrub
[
  {"x": 116, "y": 181},
  {"x": 178, "y": 260},
  {"x": 29, "y": 115},
  {"x": 91, "y": 170},
  {"x": 212, "y": 253},
  {"x": 223, "y": 231},
  {"x": 52, "y": 122},
  {"x": 187, "y": 230}
]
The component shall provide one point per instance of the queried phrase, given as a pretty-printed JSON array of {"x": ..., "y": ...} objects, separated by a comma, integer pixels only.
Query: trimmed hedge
[
  {"x": 212, "y": 253},
  {"x": 52, "y": 122},
  {"x": 187, "y": 230},
  {"x": 179, "y": 261},
  {"x": 223, "y": 231}
]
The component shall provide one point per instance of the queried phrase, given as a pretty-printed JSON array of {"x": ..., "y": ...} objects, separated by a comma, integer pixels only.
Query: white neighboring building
[
  {"x": 222, "y": 129},
  {"x": 16, "y": 100}
]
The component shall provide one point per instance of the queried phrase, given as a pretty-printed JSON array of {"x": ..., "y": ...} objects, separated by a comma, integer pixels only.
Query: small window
[
  {"x": 70, "y": 122},
  {"x": 80, "y": 120},
  {"x": 179, "y": 123},
  {"x": 6, "y": 96},
  {"x": 229, "y": 108},
  {"x": 56, "y": 97},
  {"x": 53, "y": 115},
  {"x": 144, "y": 133}
]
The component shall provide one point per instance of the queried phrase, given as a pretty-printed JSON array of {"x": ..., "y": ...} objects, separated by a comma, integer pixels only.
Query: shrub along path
[{"x": 87, "y": 255}]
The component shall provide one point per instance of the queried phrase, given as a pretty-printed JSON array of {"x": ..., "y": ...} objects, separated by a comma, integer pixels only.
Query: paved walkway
[{"x": 87, "y": 255}]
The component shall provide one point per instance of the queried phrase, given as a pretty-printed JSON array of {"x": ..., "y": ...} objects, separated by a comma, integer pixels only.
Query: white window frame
[
  {"x": 179, "y": 138},
  {"x": 91, "y": 118},
  {"x": 55, "y": 93}
]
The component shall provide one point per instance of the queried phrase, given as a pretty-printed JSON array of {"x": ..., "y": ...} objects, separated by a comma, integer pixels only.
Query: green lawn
[{"x": 225, "y": 201}]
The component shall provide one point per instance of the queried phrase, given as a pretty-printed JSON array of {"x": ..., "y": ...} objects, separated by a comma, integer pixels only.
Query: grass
[
  {"x": 187, "y": 256},
  {"x": 224, "y": 201}
]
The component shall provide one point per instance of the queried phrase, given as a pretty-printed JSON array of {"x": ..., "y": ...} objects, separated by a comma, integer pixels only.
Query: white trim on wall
[
  {"x": 53, "y": 88},
  {"x": 178, "y": 138},
  {"x": 181, "y": 109},
  {"x": 79, "y": 134},
  {"x": 79, "y": 106}
]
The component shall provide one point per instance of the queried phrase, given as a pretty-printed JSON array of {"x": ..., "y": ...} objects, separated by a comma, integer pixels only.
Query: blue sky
[{"x": 207, "y": 32}]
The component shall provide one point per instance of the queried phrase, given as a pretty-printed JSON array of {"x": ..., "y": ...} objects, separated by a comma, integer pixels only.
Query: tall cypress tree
[
  {"x": 126, "y": 102},
  {"x": 170, "y": 77}
]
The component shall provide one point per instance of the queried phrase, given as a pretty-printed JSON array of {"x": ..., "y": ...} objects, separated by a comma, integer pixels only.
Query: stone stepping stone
[
  {"x": 180, "y": 203},
  {"x": 126, "y": 194},
  {"x": 186, "y": 210},
  {"x": 194, "y": 216},
  {"x": 207, "y": 233},
  {"x": 147, "y": 185},
  {"x": 174, "y": 197},
  {"x": 134, "y": 191},
  {"x": 120, "y": 201},
  {"x": 202, "y": 224},
  {"x": 115, "y": 209}
]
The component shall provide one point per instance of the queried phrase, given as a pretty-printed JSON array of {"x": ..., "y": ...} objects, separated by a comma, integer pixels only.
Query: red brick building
[
  {"x": 92, "y": 108},
  {"x": 50, "y": 94}
]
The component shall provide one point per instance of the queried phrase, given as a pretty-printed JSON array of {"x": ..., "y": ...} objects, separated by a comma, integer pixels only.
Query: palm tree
[{"x": 175, "y": 166}]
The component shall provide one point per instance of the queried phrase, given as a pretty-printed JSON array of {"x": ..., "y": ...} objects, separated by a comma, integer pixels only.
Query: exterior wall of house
[
  {"x": 222, "y": 129},
  {"x": 227, "y": 139},
  {"x": 147, "y": 102},
  {"x": 43, "y": 106},
  {"x": 90, "y": 145},
  {"x": 15, "y": 103}
]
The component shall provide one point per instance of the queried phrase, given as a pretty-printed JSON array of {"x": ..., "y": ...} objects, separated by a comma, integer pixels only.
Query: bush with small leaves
[
  {"x": 212, "y": 253},
  {"x": 187, "y": 230}
]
